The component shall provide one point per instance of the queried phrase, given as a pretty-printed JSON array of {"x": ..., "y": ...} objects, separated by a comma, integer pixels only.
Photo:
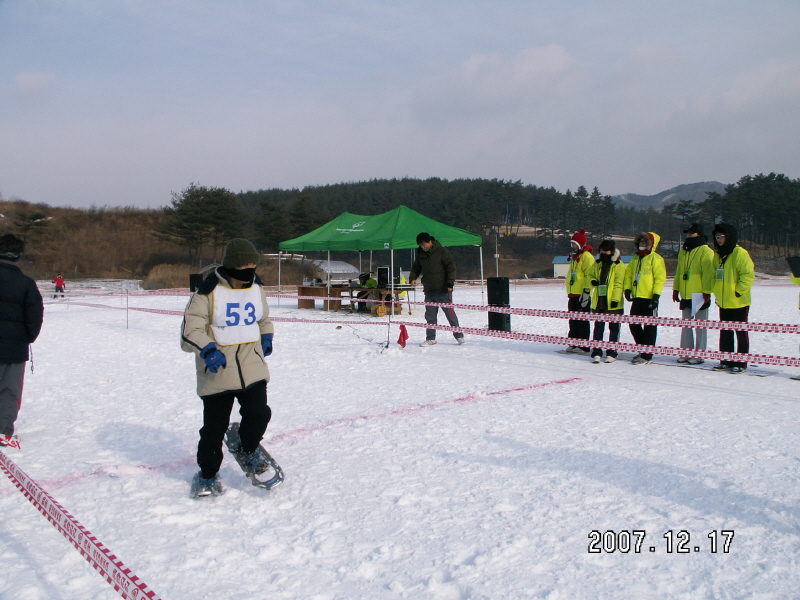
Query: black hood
[
  {"x": 695, "y": 242},
  {"x": 731, "y": 239}
]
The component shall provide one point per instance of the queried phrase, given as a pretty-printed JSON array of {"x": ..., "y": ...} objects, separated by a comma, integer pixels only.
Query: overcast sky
[{"x": 121, "y": 102}]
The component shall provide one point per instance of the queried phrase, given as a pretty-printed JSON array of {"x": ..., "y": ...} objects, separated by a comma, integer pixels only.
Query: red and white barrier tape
[
  {"x": 108, "y": 565},
  {"x": 592, "y": 316},
  {"x": 764, "y": 359}
]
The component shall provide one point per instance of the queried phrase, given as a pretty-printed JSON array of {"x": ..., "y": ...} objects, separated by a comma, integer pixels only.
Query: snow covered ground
[{"x": 453, "y": 472}]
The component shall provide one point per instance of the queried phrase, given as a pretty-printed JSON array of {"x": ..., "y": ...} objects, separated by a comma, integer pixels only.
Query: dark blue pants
[{"x": 613, "y": 333}]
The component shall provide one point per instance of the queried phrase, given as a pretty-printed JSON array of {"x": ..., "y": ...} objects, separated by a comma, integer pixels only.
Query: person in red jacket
[{"x": 58, "y": 281}]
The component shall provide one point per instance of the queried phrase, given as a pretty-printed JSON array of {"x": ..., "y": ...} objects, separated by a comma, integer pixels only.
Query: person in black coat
[
  {"x": 21, "y": 312},
  {"x": 438, "y": 270}
]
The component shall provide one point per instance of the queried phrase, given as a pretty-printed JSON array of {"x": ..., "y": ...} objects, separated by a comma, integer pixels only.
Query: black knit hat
[
  {"x": 238, "y": 253},
  {"x": 11, "y": 247}
]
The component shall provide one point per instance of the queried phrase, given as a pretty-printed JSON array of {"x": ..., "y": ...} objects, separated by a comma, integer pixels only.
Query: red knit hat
[{"x": 580, "y": 237}]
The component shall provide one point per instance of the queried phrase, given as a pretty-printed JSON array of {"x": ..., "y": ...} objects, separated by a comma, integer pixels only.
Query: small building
[{"x": 561, "y": 265}]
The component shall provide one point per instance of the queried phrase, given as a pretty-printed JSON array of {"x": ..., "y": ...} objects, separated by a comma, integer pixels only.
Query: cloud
[
  {"x": 33, "y": 84},
  {"x": 496, "y": 84}
]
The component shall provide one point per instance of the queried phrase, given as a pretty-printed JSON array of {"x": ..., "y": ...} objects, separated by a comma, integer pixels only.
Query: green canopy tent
[{"x": 393, "y": 230}]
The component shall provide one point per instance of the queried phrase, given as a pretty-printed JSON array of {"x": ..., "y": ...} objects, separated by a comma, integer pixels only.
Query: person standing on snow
[
  {"x": 58, "y": 281},
  {"x": 226, "y": 325},
  {"x": 581, "y": 264},
  {"x": 733, "y": 278},
  {"x": 694, "y": 275},
  {"x": 607, "y": 279},
  {"x": 21, "y": 313},
  {"x": 645, "y": 277},
  {"x": 438, "y": 270}
]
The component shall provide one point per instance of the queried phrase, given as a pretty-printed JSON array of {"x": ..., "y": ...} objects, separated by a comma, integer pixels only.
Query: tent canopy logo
[{"x": 354, "y": 228}]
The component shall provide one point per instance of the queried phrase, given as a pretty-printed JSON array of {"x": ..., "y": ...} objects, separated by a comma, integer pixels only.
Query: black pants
[
  {"x": 726, "y": 335},
  {"x": 216, "y": 418},
  {"x": 644, "y": 335},
  {"x": 578, "y": 330},
  {"x": 613, "y": 333}
]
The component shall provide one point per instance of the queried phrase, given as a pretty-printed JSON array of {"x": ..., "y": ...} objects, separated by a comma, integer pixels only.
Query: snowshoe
[
  {"x": 206, "y": 487},
  {"x": 10, "y": 441},
  {"x": 259, "y": 467}
]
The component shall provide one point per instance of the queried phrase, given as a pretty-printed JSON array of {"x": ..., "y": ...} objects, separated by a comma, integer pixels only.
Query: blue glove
[
  {"x": 213, "y": 357},
  {"x": 266, "y": 343}
]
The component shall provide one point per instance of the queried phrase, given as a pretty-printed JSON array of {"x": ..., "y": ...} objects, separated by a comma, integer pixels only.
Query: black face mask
[
  {"x": 606, "y": 258},
  {"x": 246, "y": 275}
]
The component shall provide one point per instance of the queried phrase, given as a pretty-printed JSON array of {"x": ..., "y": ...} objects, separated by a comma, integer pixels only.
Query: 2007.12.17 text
[{"x": 625, "y": 541}]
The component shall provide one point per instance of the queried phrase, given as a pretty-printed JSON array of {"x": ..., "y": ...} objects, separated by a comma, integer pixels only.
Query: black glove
[
  {"x": 628, "y": 296},
  {"x": 584, "y": 299},
  {"x": 737, "y": 294},
  {"x": 654, "y": 302},
  {"x": 595, "y": 283},
  {"x": 613, "y": 305},
  {"x": 676, "y": 296},
  {"x": 706, "y": 302}
]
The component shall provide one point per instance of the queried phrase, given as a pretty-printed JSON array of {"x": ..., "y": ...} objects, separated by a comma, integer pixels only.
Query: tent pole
[
  {"x": 329, "y": 279},
  {"x": 279, "y": 276},
  {"x": 483, "y": 300},
  {"x": 391, "y": 304}
]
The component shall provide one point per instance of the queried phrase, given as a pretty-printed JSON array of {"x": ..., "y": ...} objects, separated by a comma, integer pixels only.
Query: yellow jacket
[
  {"x": 695, "y": 272},
  {"x": 796, "y": 281},
  {"x": 578, "y": 275},
  {"x": 646, "y": 275},
  {"x": 734, "y": 276},
  {"x": 614, "y": 283}
]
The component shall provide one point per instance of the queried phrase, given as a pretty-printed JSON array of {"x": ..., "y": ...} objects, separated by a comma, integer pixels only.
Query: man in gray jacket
[
  {"x": 226, "y": 325},
  {"x": 438, "y": 271},
  {"x": 21, "y": 313}
]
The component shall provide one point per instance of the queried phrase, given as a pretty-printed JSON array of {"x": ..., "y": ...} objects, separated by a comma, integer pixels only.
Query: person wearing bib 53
[{"x": 226, "y": 325}]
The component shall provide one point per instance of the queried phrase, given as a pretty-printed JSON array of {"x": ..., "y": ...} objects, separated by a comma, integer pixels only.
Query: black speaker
[
  {"x": 194, "y": 280},
  {"x": 497, "y": 288},
  {"x": 499, "y": 321},
  {"x": 383, "y": 278},
  {"x": 794, "y": 265}
]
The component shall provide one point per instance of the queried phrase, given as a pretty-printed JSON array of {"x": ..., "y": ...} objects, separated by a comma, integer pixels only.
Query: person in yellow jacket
[
  {"x": 581, "y": 264},
  {"x": 608, "y": 278},
  {"x": 645, "y": 277},
  {"x": 794, "y": 264},
  {"x": 694, "y": 275},
  {"x": 733, "y": 278}
]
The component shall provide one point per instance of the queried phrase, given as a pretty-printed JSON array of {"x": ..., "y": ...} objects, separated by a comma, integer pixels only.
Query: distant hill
[{"x": 696, "y": 192}]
